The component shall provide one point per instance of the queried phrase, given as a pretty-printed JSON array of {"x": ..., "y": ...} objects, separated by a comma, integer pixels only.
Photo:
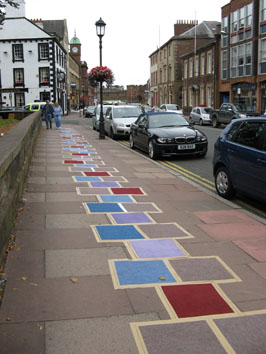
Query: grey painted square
[
  {"x": 74, "y": 221},
  {"x": 187, "y": 338},
  {"x": 246, "y": 334},
  {"x": 200, "y": 269},
  {"x": 94, "y": 335},
  {"x": 81, "y": 262}
]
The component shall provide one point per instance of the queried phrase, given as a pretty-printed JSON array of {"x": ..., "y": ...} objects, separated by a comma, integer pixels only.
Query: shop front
[{"x": 245, "y": 92}]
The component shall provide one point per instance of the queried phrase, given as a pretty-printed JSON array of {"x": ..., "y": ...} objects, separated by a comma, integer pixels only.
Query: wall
[{"x": 16, "y": 151}]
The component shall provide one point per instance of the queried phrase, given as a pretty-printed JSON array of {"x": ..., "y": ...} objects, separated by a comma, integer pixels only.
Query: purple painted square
[
  {"x": 131, "y": 218},
  {"x": 157, "y": 248},
  {"x": 104, "y": 184}
]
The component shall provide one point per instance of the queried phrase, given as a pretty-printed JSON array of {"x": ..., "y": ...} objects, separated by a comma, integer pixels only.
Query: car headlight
[
  {"x": 242, "y": 115},
  {"x": 201, "y": 138},
  {"x": 120, "y": 125},
  {"x": 164, "y": 140}
]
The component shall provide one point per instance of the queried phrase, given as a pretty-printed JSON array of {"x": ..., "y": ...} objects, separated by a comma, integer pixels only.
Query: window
[
  {"x": 169, "y": 51},
  {"x": 209, "y": 96},
  {"x": 190, "y": 97},
  {"x": 190, "y": 67},
  {"x": 225, "y": 30},
  {"x": 164, "y": 74},
  {"x": 249, "y": 134},
  {"x": 241, "y": 17},
  {"x": 18, "y": 77},
  {"x": 169, "y": 73},
  {"x": 202, "y": 96},
  {"x": 241, "y": 60},
  {"x": 248, "y": 47},
  {"x": 262, "y": 59},
  {"x": 233, "y": 61},
  {"x": 19, "y": 99},
  {"x": 43, "y": 51},
  {"x": 249, "y": 9},
  {"x": 161, "y": 76},
  {"x": 185, "y": 69},
  {"x": 263, "y": 10},
  {"x": 185, "y": 97},
  {"x": 209, "y": 63},
  {"x": 196, "y": 69},
  {"x": 234, "y": 21},
  {"x": 231, "y": 134},
  {"x": 224, "y": 65},
  {"x": 202, "y": 64},
  {"x": 17, "y": 50},
  {"x": 44, "y": 76}
]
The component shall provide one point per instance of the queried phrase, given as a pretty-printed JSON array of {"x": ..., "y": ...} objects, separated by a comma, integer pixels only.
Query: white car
[
  {"x": 200, "y": 115},
  {"x": 96, "y": 116},
  {"x": 118, "y": 120},
  {"x": 171, "y": 107}
]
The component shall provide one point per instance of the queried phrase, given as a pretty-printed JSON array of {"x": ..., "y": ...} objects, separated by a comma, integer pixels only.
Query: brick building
[
  {"x": 166, "y": 68},
  {"x": 201, "y": 74},
  {"x": 137, "y": 93},
  {"x": 114, "y": 93}
]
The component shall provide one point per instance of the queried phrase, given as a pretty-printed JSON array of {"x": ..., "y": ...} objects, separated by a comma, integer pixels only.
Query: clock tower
[{"x": 75, "y": 48}]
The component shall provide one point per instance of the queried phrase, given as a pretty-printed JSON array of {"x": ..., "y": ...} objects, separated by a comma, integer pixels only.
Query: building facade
[
  {"x": 33, "y": 64},
  {"x": 137, "y": 93},
  {"x": 243, "y": 53}
]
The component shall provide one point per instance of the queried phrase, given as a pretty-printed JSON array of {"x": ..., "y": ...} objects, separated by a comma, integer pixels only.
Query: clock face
[{"x": 75, "y": 49}]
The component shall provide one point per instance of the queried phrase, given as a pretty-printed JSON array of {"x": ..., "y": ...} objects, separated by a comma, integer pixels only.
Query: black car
[{"x": 166, "y": 133}]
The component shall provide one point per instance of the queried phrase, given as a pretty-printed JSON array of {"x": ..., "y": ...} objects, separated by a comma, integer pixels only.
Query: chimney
[{"x": 182, "y": 26}]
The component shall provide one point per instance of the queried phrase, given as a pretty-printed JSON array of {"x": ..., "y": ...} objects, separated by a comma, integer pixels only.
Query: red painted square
[
  {"x": 195, "y": 300},
  {"x": 73, "y": 161},
  {"x": 97, "y": 173},
  {"x": 79, "y": 154},
  {"x": 126, "y": 190},
  {"x": 75, "y": 146},
  {"x": 65, "y": 137},
  {"x": 76, "y": 136},
  {"x": 81, "y": 142}
]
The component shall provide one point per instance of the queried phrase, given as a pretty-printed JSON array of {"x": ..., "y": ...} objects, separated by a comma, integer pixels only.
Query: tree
[{"x": 3, "y": 4}]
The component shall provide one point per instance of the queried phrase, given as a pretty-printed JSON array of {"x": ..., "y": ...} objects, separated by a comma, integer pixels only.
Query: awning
[{"x": 195, "y": 87}]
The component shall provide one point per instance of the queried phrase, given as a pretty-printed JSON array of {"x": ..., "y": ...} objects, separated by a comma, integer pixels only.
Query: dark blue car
[{"x": 239, "y": 162}]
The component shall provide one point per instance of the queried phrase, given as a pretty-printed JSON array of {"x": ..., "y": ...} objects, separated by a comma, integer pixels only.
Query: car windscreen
[
  {"x": 126, "y": 112},
  {"x": 166, "y": 120},
  {"x": 241, "y": 107},
  {"x": 104, "y": 109},
  {"x": 173, "y": 107},
  {"x": 206, "y": 110}
]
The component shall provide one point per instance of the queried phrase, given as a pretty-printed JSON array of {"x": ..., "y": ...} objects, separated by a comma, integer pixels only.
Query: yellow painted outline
[
  {"x": 101, "y": 201},
  {"x": 98, "y": 237},
  {"x": 113, "y": 222}
]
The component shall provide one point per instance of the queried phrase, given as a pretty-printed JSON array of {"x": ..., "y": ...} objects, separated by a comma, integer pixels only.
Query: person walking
[
  {"x": 57, "y": 115},
  {"x": 48, "y": 112}
]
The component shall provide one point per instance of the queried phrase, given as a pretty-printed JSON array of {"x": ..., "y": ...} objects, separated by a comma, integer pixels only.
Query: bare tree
[{"x": 3, "y": 4}]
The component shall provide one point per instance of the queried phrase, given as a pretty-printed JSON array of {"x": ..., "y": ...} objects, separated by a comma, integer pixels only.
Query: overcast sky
[{"x": 134, "y": 29}]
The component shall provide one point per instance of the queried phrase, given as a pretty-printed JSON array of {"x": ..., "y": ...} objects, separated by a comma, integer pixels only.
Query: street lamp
[{"x": 100, "y": 30}]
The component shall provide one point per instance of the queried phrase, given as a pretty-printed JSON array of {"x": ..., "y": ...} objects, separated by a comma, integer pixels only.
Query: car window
[
  {"x": 35, "y": 106},
  {"x": 198, "y": 111},
  {"x": 126, "y": 112},
  {"x": 141, "y": 119},
  {"x": 27, "y": 107},
  {"x": 224, "y": 107},
  {"x": 232, "y": 132},
  {"x": 249, "y": 133},
  {"x": 166, "y": 120}
]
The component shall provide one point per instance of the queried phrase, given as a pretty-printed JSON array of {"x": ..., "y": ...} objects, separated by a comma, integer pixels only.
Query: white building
[{"x": 33, "y": 63}]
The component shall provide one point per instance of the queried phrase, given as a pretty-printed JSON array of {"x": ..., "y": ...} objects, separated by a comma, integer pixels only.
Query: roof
[
  {"x": 205, "y": 29},
  {"x": 55, "y": 26},
  {"x": 74, "y": 40}
]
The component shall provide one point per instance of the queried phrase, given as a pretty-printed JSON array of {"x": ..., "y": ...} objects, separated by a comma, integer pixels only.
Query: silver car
[
  {"x": 118, "y": 120},
  {"x": 200, "y": 115},
  {"x": 96, "y": 116}
]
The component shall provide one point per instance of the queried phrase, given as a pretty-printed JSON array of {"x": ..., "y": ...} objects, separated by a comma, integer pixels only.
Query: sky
[{"x": 134, "y": 29}]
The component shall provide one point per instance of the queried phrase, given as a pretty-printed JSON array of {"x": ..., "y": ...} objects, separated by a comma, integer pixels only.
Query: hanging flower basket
[{"x": 100, "y": 74}]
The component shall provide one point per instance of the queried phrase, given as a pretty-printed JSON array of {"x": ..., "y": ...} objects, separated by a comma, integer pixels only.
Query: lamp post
[{"x": 100, "y": 30}]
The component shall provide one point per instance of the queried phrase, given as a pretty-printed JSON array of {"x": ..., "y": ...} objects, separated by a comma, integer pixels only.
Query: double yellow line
[{"x": 191, "y": 175}]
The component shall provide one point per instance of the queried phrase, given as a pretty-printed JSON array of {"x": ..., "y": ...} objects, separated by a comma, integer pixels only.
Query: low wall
[{"x": 16, "y": 149}]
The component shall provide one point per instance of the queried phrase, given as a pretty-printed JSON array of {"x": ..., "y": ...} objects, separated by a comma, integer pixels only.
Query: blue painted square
[
  {"x": 116, "y": 198},
  {"x": 91, "y": 152},
  {"x": 87, "y": 178},
  {"x": 114, "y": 232},
  {"x": 86, "y": 165},
  {"x": 104, "y": 207},
  {"x": 143, "y": 272},
  {"x": 82, "y": 158}
]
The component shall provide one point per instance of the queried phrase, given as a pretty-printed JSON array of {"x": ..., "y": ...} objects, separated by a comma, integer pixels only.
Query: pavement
[{"x": 115, "y": 254}]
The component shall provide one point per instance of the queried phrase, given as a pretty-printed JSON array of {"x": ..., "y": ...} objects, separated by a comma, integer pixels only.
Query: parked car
[
  {"x": 171, "y": 108},
  {"x": 230, "y": 111},
  {"x": 200, "y": 115},
  {"x": 96, "y": 115},
  {"x": 89, "y": 111},
  {"x": 118, "y": 120},
  {"x": 167, "y": 133},
  {"x": 239, "y": 162},
  {"x": 35, "y": 106}
]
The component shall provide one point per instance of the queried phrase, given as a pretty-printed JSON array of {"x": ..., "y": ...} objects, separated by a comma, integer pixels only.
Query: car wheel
[
  {"x": 152, "y": 154},
  {"x": 131, "y": 142},
  {"x": 215, "y": 124},
  {"x": 223, "y": 183},
  {"x": 112, "y": 135},
  {"x": 94, "y": 128},
  {"x": 201, "y": 122}
]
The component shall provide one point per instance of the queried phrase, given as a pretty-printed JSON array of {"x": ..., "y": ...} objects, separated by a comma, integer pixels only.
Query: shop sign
[{"x": 245, "y": 86}]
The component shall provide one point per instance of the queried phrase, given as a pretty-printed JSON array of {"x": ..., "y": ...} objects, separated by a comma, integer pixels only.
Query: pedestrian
[
  {"x": 57, "y": 115},
  {"x": 48, "y": 112}
]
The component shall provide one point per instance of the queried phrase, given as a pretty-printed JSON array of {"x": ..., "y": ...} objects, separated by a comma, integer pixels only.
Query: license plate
[{"x": 186, "y": 147}]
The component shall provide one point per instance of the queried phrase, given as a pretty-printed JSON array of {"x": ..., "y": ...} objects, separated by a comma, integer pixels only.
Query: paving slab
[
  {"x": 81, "y": 262},
  {"x": 74, "y": 221}
]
